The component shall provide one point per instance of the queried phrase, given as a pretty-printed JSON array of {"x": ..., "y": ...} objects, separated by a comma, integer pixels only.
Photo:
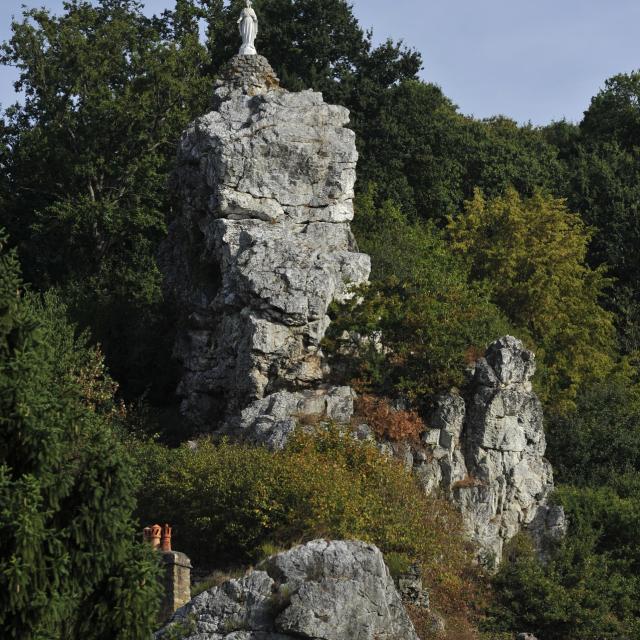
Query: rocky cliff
[
  {"x": 262, "y": 244},
  {"x": 322, "y": 591},
  {"x": 486, "y": 450},
  {"x": 260, "y": 249}
]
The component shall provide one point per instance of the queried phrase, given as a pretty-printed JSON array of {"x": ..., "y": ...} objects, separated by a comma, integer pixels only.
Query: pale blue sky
[{"x": 532, "y": 60}]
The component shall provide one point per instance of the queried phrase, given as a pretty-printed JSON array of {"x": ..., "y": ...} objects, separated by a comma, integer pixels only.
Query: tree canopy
[
  {"x": 107, "y": 93},
  {"x": 69, "y": 563},
  {"x": 532, "y": 253}
]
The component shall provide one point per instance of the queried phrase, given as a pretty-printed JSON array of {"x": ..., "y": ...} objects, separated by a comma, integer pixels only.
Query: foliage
[
  {"x": 614, "y": 114},
  {"x": 69, "y": 567},
  {"x": 318, "y": 44},
  {"x": 599, "y": 440},
  {"x": 431, "y": 319},
  {"x": 227, "y": 500},
  {"x": 602, "y": 157},
  {"x": 590, "y": 586},
  {"x": 392, "y": 424},
  {"x": 428, "y": 158},
  {"x": 107, "y": 93},
  {"x": 531, "y": 253}
]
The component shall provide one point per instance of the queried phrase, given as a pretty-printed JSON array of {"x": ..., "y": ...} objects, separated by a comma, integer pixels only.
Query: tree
[
  {"x": 531, "y": 252},
  {"x": 602, "y": 157},
  {"x": 69, "y": 565},
  {"x": 431, "y": 319},
  {"x": 614, "y": 114},
  {"x": 316, "y": 44},
  {"x": 108, "y": 92},
  {"x": 428, "y": 158},
  {"x": 599, "y": 441},
  {"x": 589, "y": 586}
]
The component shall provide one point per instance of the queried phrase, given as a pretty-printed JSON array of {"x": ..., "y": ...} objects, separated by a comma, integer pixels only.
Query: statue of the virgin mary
[{"x": 248, "y": 22}]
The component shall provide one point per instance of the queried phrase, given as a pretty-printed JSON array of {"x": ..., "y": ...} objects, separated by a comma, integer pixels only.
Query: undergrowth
[{"x": 231, "y": 502}]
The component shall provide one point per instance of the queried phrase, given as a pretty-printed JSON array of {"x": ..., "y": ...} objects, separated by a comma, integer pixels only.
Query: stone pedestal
[{"x": 176, "y": 582}]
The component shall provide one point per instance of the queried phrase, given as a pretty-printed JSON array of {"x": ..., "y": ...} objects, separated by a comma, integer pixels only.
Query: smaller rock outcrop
[
  {"x": 323, "y": 590},
  {"x": 486, "y": 450}
]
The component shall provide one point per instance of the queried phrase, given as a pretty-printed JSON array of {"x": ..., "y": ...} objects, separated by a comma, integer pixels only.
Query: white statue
[{"x": 248, "y": 22}]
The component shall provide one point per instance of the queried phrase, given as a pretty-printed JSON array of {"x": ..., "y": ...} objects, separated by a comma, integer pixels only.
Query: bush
[
  {"x": 419, "y": 300},
  {"x": 389, "y": 423},
  {"x": 69, "y": 564},
  {"x": 228, "y": 501},
  {"x": 590, "y": 586}
]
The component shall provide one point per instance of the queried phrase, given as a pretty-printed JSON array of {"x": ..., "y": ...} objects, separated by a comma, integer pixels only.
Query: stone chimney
[{"x": 176, "y": 571}]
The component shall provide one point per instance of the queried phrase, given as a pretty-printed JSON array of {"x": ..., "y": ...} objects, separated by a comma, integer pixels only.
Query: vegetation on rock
[
  {"x": 227, "y": 501},
  {"x": 433, "y": 319}
]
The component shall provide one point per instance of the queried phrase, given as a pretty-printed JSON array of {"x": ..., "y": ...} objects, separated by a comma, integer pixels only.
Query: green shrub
[
  {"x": 227, "y": 501},
  {"x": 432, "y": 321},
  {"x": 590, "y": 587}
]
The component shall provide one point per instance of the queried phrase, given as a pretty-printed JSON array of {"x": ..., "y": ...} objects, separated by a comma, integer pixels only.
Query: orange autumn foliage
[{"x": 389, "y": 423}]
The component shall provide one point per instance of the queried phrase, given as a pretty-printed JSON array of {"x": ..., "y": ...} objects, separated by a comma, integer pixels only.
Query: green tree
[
  {"x": 599, "y": 441},
  {"x": 428, "y": 158},
  {"x": 107, "y": 93},
  {"x": 317, "y": 44},
  {"x": 69, "y": 565},
  {"x": 614, "y": 114},
  {"x": 602, "y": 157},
  {"x": 532, "y": 253},
  {"x": 432, "y": 321}
]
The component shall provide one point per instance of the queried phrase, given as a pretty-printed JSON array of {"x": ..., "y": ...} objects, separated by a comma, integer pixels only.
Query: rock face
[
  {"x": 261, "y": 247},
  {"x": 487, "y": 450},
  {"x": 270, "y": 421},
  {"x": 322, "y": 591},
  {"x": 262, "y": 244}
]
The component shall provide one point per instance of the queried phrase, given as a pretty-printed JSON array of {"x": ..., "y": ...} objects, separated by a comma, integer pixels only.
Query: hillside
[{"x": 271, "y": 299}]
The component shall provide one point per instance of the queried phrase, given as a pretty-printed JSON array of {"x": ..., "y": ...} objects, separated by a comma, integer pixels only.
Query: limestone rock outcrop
[
  {"x": 270, "y": 421},
  {"x": 259, "y": 250},
  {"x": 324, "y": 590},
  {"x": 262, "y": 243},
  {"x": 487, "y": 451}
]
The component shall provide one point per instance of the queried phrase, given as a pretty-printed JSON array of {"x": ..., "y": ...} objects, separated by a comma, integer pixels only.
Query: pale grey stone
[
  {"x": 489, "y": 454},
  {"x": 340, "y": 590},
  {"x": 262, "y": 244},
  {"x": 431, "y": 437},
  {"x": 271, "y": 420},
  {"x": 324, "y": 590}
]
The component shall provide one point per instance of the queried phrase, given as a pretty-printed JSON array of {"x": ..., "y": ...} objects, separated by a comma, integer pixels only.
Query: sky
[{"x": 532, "y": 60}]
